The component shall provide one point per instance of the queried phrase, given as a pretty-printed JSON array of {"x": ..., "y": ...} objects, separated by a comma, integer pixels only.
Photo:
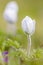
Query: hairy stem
[{"x": 29, "y": 45}]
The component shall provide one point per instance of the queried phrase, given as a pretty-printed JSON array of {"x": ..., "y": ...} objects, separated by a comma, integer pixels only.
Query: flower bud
[
  {"x": 28, "y": 25},
  {"x": 12, "y": 5},
  {"x": 11, "y": 12}
]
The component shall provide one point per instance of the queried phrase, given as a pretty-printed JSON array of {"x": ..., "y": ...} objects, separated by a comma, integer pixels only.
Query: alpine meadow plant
[
  {"x": 11, "y": 16},
  {"x": 11, "y": 52},
  {"x": 28, "y": 26}
]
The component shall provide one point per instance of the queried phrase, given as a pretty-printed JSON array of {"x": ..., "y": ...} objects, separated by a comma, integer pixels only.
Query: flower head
[
  {"x": 28, "y": 25},
  {"x": 12, "y": 5},
  {"x": 5, "y": 54},
  {"x": 11, "y": 12}
]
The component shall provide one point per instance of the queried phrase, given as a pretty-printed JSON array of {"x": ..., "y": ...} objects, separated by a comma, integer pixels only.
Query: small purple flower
[
  {"x": 5, "y": 52},
  {"x": 5, "y": 55}
]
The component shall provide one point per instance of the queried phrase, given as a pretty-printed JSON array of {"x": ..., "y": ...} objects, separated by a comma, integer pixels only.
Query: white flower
[
  {"x": 28, "y": 25},
  {"x": 12, "y": 5},
  {"x": 11, "y": 12}
]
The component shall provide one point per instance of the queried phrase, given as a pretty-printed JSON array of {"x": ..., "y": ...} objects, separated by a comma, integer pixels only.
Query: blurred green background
[{"x": 32, "y": 8}]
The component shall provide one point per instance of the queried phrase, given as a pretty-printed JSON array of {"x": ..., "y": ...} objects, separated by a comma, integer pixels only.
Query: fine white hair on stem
[
  {"x": 29, "y": 45},
  {"x": 11, "y": 29}
]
